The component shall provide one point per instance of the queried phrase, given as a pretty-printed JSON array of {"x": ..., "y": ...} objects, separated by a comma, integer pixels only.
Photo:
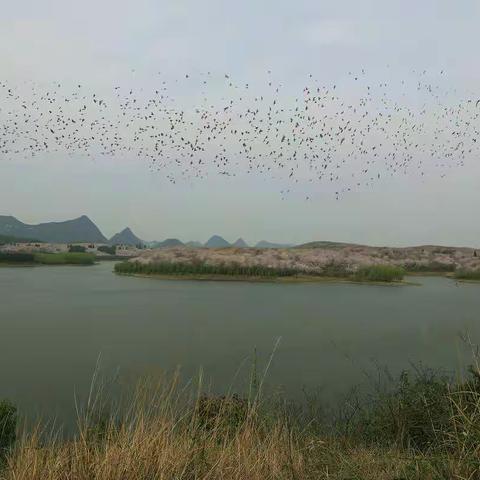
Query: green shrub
[
  {"x": 380, "y": 273},
  {"x": 8, "y": 426},
  {"x": 411, "y": 415},
  {"x": 226, "y": 412}
]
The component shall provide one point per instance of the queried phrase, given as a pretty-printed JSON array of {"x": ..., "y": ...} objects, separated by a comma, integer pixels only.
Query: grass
[
  {"x": 47, "y": 258},
  {"x": 380, "y": 273},
  {"x": 468, "y": 275},
  {"x": 71, "y": 258},
  {"x": 189, "y": 269},
  {"x": 375, "y": 273},
  {"x": 8, "y": 421},
  {"x": 423, "y": 427}
]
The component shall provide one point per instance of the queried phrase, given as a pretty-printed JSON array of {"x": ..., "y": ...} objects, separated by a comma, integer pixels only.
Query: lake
[{"x": 57, "y": 323}]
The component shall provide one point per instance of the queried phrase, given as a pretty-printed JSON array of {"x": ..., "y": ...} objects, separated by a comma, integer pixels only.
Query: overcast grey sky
[{"x": 100, "y": 42}]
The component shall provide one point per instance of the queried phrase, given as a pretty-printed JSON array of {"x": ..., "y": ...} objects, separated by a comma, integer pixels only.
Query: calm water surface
[{"x": 55, "y": 322}]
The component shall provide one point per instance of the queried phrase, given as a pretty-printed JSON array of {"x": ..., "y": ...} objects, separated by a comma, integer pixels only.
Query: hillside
[
  {"x": 126, "y": 237},
  {"x": 78, "y": 230},
  {"x": 240, "y": 243},
  {"x": 169, "y": 242},
  {"x": 216, "y": 241},
  {"x": 265, "y": 244},
  {"x": 194, "y": 244},
  {"x": 326, "y": 244}
]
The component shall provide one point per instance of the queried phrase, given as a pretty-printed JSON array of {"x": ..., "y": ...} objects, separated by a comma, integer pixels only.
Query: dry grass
[
  {"x": 166, "y": 433},
  {"x": 162, "y": 448}
]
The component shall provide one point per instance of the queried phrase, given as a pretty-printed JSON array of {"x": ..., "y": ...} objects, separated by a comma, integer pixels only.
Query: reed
[
  {"x": 380, "y": 273},
  {"x": 183, "y": 268},
  {"x": 467, "y": 274},
  {"x": 70, "y": 258}
]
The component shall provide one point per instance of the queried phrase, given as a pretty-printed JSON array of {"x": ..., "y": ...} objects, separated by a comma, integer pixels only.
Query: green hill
[{"x": 80, "y": 229}]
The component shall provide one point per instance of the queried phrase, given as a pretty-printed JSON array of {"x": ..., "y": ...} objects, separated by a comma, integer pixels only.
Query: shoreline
[{"x": 281, "y": 280}]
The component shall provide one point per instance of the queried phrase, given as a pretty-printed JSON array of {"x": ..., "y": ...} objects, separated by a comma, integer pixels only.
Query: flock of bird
[{"x": 349, "y": 135}]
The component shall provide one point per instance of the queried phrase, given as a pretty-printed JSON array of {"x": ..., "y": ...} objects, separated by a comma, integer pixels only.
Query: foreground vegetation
[
  {"x": 424, "y": 427},
  {"x": 47, "y": 258},
  {"x": 373, "y": 273}
]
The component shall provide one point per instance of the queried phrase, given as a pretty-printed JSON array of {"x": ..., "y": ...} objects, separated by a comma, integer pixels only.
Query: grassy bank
[
  {"x": 423, "y": 427},
  {"x": 430, "y": 268},
  {"x": 202, "y": 271},
  {"x": 178, "y": 269},
  {"x": 470, "y": 275},
  {"x": 47, "y": 259}
]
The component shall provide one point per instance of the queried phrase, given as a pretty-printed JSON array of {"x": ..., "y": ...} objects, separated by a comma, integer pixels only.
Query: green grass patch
[
  {"x": 374, "y": 273},
  {"x": 8, "y": 427},
  {"x": 468, "y": 275},
  {"x": 64, "y": 258},
  {"x": 379, "y": 273},
  {"x": 167, "y": 268}
]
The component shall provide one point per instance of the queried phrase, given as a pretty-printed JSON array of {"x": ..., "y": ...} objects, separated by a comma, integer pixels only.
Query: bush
[
  {"x": 334, "y": 269},
  {"x": 411, "y": 415},
  {"x": 8, "y": 426},
  {"x": 226, "y": 412},
  {"x": 380, "y": 273}
]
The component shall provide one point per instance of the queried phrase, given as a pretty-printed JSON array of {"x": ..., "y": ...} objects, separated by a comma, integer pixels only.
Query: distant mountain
[
  {"x": 240, "y": 243},
  {"x": 169, "y": 242},
  {"x": 217, "y": 242},
  {"x": 194, "y": 244},
  {"x": 126, "y": 237},
  {"x": 265, "y": 244},
  {"x": 79, "y": 230}
]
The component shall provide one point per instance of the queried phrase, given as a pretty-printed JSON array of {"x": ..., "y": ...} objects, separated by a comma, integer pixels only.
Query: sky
[{"x": 101, "y": 42}]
